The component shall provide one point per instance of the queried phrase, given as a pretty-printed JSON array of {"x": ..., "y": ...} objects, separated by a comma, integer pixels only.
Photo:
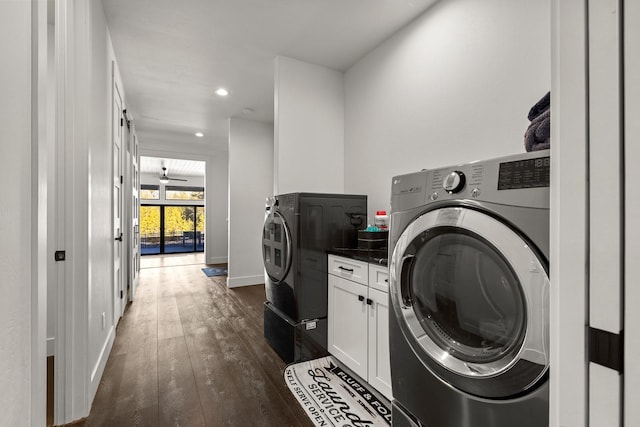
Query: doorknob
[{"x": 119, "y": 238}]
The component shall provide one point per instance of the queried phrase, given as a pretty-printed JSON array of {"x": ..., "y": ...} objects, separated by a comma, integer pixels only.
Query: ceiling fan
[{"x": 165, "y": 179}]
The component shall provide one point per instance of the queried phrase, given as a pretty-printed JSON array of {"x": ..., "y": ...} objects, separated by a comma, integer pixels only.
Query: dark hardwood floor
[{"x": 190, "y": 352}]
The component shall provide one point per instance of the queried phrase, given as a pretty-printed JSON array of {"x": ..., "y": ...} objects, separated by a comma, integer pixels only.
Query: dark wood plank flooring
[{"x": 190, "y": 352}]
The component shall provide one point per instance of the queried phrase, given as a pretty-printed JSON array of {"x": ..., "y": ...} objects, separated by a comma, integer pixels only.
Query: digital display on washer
[{"x": 529, "y": 173}]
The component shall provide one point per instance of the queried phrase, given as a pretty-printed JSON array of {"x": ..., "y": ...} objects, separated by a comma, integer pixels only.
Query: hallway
[{"x": 190, "y": 352}]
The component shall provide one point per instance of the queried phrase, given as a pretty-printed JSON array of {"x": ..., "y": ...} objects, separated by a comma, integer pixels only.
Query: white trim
[
  {"x": 568, "y": 244},
  {"x": 632, "y": 212},
  {"x": 604, "y": 396},
  {"x": 98, "y": 369},
  {"x": 76, "y": 183},
  {"x": 39, "y": 169},
  {"x": 605, "y": 172},
  {"x": 51, "y": 346},
  {"x": 63, "y": 63},
  {"x": 236, "y": 282}
]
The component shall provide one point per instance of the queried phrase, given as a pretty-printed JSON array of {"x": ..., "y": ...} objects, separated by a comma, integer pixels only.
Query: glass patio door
[{"x": 172, "y": 229}]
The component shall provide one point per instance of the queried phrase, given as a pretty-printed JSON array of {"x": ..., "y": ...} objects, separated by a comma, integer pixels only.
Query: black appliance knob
[{"x": 454, "y": 182}]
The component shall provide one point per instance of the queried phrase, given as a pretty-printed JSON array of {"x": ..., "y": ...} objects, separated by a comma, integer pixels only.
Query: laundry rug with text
[{"x": 331, "y": 396}]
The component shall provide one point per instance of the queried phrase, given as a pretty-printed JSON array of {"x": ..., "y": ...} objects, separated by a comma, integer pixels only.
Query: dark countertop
[{"x": 373, "y": 256}]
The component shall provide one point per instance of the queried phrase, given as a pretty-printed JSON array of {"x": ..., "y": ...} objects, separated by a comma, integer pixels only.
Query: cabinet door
[
  {"x": 347, "y": 322},
  {"x": 379, "y": 364},
  {"x": 379, "y": 277}
]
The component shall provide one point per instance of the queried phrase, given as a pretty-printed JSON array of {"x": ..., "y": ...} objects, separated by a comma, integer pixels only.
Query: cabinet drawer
[
  {"x": 379, "y": 277},
  {"x": 349, "y": 269}
]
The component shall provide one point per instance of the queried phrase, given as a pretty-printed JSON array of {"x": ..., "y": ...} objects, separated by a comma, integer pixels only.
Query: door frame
[
  {"x": 631, "y": 411},
  {"x": 42, "y": 163},
  {"x": 133, "y": 183},
  {"x": 568, "y": 385},
  {"x": 71, "y": 399}
]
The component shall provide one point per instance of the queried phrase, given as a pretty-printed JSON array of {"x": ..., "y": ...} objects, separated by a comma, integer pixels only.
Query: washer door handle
[{"x": 405, "y": 275}]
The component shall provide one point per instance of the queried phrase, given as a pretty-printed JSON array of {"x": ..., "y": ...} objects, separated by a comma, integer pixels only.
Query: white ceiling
[
  {"x": 176, "y": 168},
  {"x": 173, "y": 55}
]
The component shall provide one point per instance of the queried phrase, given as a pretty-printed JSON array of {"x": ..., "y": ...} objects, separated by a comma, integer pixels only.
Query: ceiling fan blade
[{"x": 165, "y": 178}]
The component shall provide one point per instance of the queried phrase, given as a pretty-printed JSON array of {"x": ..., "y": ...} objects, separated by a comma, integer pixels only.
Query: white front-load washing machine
[{"x": 469, "y": 286}]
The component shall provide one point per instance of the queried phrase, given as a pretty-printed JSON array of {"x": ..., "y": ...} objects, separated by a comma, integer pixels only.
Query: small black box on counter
[{"x": 373, "y": 239}]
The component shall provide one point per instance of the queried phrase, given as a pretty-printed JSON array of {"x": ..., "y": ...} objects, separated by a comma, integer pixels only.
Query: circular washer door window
[
  {"x": 276, "y": 247},
  {"x": 466, "y": 297}
]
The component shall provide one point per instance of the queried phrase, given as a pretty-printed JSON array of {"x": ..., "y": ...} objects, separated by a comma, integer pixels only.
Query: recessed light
[
  {"x": 199, "y": 134},
  {"x": 222, "y": 92}
]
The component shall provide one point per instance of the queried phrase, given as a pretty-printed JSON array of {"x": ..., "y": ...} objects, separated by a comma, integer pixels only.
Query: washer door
[
  {"x": 472, "y": 299},
  {"x": 276, "y": 247}
]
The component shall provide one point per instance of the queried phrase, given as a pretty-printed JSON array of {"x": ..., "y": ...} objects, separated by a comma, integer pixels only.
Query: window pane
[
  {"x": 199, "y": 229},
  {"x": 149, "y": 230},
  {"x": 179, "y": 235},
  {"x": 149, "y": 192},
  {"x": 175, "y": 192}
]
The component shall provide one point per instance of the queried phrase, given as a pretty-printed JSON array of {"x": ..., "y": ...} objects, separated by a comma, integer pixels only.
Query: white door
[
  {"x": 347, "y": 323},
  {"x": 379, "y": 362},
  {"x": 118, "y": 121}
]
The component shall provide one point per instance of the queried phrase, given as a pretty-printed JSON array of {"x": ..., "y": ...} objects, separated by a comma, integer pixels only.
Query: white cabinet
[
  {"x": 358, "y": 319},
  {"x": 347, "y": 320},
  {"x": 379, "y": 374}
]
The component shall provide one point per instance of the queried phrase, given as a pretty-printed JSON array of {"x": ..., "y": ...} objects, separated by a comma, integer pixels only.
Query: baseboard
[
  {"x": 98, "y": 369},
  {"x": 51, "y": 346},
  {"x": 216, "y": 260},
  {"x": 236, "y": 282}
]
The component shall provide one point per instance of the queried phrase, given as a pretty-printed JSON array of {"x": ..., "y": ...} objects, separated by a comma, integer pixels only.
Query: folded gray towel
[
  {"x": 538, "y": 134},
  {"x": 540, "y": 107}
]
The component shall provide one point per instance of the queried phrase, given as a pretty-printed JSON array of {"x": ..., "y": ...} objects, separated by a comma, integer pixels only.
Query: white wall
[
  {"x": 453, "y": 86},
  {"x": 217, "y": 208},
  {"x": 309, "y": 128},
  {"x": 250, "y": 182},
  {"x": 100, "y": 188},
  {"x": 15, "y": 213}
]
